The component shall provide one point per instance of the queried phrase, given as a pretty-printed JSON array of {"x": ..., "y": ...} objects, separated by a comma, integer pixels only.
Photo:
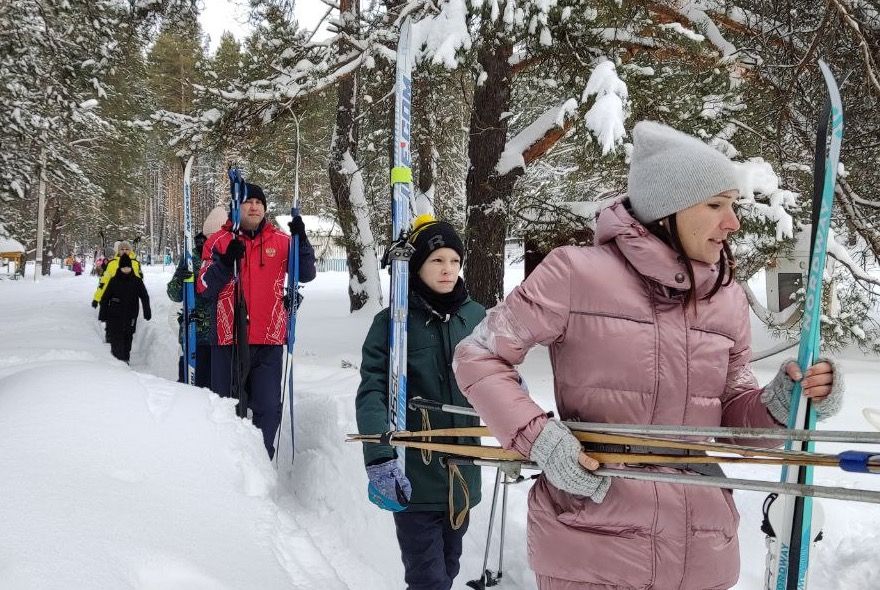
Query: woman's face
[
  {"x": 440, "y": 270},
  {"x": 703, "y": 227}
]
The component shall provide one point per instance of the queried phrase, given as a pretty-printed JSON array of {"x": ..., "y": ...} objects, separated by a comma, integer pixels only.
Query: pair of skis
[
  {"x": 631, "y": 449},
  {"x": 399, "y": 254},
  {"x": 189, "y": 292},
  {"x": 790, "y": 518},
  {"x": 240, "y": 366},
  {"x": 292, "y": 298}
]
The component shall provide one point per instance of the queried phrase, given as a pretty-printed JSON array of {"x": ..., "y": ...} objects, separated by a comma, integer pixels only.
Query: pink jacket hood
[{"x": 648, "y": 254}]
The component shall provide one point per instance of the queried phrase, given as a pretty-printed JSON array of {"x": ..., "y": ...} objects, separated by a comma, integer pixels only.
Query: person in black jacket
[{"x": 119, "y": 307}]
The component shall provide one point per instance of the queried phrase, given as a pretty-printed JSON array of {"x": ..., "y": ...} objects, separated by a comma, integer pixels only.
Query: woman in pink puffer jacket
[{"x": 645, "y": 327}]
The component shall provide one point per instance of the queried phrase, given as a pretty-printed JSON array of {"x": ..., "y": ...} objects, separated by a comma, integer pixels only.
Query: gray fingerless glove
[
  {"x": 777, "y": 394},
  {"x": 556, "y": 452}
]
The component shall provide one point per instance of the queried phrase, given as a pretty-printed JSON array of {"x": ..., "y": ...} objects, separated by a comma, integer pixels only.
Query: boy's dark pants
[
  {"x": 120, "y": 333},
  {"x": 263, "y": 385},
  {"x": 430, "y": 549}
]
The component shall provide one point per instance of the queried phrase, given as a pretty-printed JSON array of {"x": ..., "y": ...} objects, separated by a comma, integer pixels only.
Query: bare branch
[{"x": 871, "y": 67}]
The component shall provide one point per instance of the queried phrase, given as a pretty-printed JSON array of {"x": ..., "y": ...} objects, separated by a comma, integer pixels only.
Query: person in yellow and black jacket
[
  {"x": 120, "y": 306},
  {"x": 111, "y": 268},
  {"x": 440, "y": 315}
]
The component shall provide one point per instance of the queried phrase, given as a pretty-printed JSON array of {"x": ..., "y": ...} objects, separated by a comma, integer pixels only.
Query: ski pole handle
[{"x": 859, "y": 461}]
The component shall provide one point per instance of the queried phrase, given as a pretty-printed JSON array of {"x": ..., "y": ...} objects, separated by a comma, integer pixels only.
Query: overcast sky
[{"x": 232, "y": 15}]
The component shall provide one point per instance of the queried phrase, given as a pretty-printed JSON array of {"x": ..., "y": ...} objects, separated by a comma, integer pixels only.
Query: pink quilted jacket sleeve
[
  {"x": 741, "y": 402},
  {"x": 535, "y": 312}
]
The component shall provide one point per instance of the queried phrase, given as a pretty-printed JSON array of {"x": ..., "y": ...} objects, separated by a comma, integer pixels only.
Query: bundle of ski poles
[{"x": 636, "y": 446}]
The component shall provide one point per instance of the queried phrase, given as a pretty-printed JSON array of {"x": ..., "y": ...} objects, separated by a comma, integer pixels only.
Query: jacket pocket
[
  {"x": 713, "y": 547},
  {"x": 629, "y": 508},
  {"x": 613, "y": 541}
]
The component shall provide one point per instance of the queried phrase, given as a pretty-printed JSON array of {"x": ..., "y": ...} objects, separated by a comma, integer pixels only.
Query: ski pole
[
  {"x": 486, "y": 575},
  {"x": 505, "y": 484},
  {"x": 752, "y": 485},
  {"x": 841, "y": 436}
]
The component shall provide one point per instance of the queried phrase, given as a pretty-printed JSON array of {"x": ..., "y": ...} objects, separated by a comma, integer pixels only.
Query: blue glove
[{"x": 389, "y": 489}]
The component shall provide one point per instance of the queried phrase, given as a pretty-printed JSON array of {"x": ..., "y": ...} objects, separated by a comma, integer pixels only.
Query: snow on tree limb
[
  {"x": 541, "y": 134},
  {"x": 695, "y": 11},
  {"x": 605, "y": 118},
  {"x": 779, "y": 319},
  {"x": 840, "y": 254}
]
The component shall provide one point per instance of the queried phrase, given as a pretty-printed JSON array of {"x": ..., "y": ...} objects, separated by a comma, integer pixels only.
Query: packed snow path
[{"x": 116, "y": 477}]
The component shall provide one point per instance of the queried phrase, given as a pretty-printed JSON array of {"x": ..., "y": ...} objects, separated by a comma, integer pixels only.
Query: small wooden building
[{"x": 11, "y": 257}]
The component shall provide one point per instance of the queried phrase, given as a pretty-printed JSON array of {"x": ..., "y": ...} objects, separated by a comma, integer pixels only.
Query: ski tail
[
  {"x": 793, "y": 527},
  {"x": 401, "y": 183},
  {"x": 189, "y": 292}
]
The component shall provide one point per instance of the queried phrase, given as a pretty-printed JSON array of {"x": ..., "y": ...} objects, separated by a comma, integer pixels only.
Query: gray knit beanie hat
[{"x": 670, "y": 171}]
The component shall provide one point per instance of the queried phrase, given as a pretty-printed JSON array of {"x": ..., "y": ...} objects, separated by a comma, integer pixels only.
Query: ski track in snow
[{"x": 311, "y": 519}]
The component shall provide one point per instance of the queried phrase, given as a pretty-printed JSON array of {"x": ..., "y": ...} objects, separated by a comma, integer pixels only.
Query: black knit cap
[
  {"x": 124, "y": 261},
  {"x": 428, "y": 235},
  {"x": 255, "y": 191}
]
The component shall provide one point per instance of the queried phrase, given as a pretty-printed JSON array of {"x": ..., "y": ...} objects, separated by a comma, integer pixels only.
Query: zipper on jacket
[
  {"x": 687, "y": 363},
  {"x": 656, "y": 352}
]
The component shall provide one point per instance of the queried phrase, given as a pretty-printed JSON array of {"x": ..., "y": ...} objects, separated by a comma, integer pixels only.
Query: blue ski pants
[
  {"x": 429, "y": 548},
  {"x": 263, "y": 385}
]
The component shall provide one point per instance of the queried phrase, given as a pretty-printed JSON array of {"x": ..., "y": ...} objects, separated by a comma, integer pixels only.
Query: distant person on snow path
[
  {"x": 261, "y": 250},
  {"x": 119, "y": 307},
  {"x": 645, "y": 327},
  {"x": 109, "y": 272},
  {"x": 430, "y": 514}
]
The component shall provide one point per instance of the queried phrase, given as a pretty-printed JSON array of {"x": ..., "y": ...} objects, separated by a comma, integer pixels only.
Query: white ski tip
[{"x": 872, "y": 415}]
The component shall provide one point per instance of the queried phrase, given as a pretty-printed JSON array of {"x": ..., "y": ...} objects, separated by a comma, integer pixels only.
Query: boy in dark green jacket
[{"x": 440, "y": 315}]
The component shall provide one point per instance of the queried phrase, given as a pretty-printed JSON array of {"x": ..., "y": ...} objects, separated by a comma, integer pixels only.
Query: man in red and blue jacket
[{"x": 261, "y": 251}]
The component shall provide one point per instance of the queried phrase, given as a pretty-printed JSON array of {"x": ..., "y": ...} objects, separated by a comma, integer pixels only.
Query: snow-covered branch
[
  {"x": 537, "y": 139},
  {"x": 777, "y": 319}
]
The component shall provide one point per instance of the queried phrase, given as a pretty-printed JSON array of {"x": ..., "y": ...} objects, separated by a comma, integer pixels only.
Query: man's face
[
  {"x": 124, "y": 250},
  {"x": 252, "y": 213}
]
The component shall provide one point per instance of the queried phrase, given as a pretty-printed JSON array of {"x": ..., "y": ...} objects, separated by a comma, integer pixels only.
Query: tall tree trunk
[
  {"x": 52, "y": 243},
  {"x": 487, "y": 193},
  {"x": 424, "y": 128},
  {"x": 347, "y": 186}
]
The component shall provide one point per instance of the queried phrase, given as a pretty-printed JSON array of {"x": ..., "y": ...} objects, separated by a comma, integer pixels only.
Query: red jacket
[{"x": 263, "y": 275}]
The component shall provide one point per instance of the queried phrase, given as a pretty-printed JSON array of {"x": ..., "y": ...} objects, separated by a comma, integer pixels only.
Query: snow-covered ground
[{"x": 115, "y": 477}]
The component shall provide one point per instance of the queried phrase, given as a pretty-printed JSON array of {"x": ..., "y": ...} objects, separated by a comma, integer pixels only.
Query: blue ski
[
  {"x": 793, "y": 520},
  {"x": 293, "y": 298},
  {"x": 401, "y": 183},
  {"x": 189, "y": 292}
]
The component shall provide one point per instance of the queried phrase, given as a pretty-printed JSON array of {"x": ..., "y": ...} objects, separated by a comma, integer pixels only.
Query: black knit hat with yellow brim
[{"x": 428, "y": 235}]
